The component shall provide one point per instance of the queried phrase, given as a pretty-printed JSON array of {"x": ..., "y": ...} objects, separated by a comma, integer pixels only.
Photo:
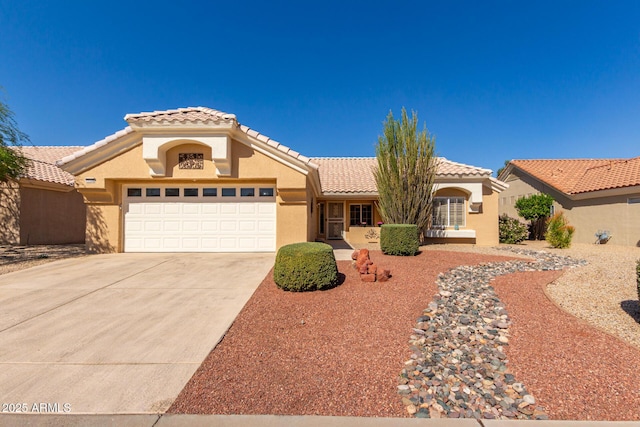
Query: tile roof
[
  {"x": 43, "y": 163},
  {"x": 200, "y": 115},
  {"x": 354, "y": 175},
  {"x": 181, "y": 116},
  {"x": 575, "y": 176}
]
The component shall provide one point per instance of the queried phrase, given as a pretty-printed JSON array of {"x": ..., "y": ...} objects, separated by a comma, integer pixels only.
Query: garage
[{"x": 199, "y": 218}]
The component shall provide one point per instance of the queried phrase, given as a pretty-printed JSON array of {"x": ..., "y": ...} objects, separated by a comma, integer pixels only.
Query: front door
[{"x": 335, "y": 221}]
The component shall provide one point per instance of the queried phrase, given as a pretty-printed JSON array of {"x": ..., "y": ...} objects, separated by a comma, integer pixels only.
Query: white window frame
[{"x": 448, "y": 222}]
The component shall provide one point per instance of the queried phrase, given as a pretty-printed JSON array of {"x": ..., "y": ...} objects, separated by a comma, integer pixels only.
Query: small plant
[
  {"x": 399, "y": 239},
  {"x": 306, "y": 266},
  {"x": 559, "y": 232},
  {"x": 511, "y": 230}
]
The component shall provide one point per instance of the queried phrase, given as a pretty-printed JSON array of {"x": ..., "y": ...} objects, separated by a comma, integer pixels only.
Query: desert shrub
[
  {"x": 638, "y": 277},
  {"x": 399, "y": 239},
  {"x": 511, "y": 230},
  {"x": 559, "y": 232},
  {"x": 306, "y": 266}
]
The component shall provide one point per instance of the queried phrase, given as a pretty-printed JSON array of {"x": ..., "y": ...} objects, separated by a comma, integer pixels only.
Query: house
[
  {"x": 596, "y": 195},
  {"x": 42, "y": 207},
  {"x": 195, "y": 179}
]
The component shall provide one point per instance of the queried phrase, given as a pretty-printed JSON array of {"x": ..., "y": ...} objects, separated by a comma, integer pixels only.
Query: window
[
  {"x": 247, "y": 192},
  {"x": 228, "y": 192},
  {"x": 190, "y": 192},
  {"x": 266, "y": 192},
  {"x": 134, "y": 192},
  {"x": 633, "y": 200},
  {"x": 152, "y": 192},
  {"x": 360, "y": 215},
  {"x": 448, "y": 211},
  {"x": 172, "y": 192},
  {"x": 210, "y": 192}
]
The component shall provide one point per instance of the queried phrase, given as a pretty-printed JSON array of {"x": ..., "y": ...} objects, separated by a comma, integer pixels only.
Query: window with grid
[
  {"x": 360, "y": 215},
  {"x": 448, "y": 211}
]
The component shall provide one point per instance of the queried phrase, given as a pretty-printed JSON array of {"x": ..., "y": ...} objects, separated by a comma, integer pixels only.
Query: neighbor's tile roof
[
  {"x": 43, "y": 163},
  {"x": 181, "y": 116},
  {"x": 355, "y": 174},
  {"x": 575, "y": 176}
]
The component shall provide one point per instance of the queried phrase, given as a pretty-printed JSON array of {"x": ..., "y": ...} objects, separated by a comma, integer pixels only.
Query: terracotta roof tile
[
  {"x": 193, "y": 115},
  {"x": 181, "y": 115},
  {"x": 575, "y": 176},
  {"x": 43, "y": 164},
  {"x": 355, "y": 174}
]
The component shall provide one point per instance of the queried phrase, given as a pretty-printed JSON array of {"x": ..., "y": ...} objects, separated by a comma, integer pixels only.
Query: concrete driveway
[{"x": 120, "y": 333}]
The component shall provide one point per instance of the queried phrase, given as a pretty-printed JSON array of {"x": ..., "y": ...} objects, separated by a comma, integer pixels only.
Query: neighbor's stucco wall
[
  {"x": 612, "y": 213},
  {"x": 10, "y": 213},
  {"x": 105, "y": 231},
  {"x": 50, "y": 217}
]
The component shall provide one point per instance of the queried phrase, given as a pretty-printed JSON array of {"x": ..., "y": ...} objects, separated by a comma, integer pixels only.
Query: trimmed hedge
[
  {"x": 307, "y": 266},
  {"x": 399, "y": 239}
]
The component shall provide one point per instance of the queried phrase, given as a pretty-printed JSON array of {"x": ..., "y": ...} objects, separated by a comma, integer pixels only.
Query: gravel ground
[
  {"x": 14, "y": 258},
  {"x": 575, "y": 371},
  {"x": 335, "y": 352},
  {"x": 603, "y": 293}
]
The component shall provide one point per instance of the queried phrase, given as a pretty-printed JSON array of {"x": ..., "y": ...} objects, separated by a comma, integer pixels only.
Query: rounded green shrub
[
  {"x": 511, "y": 230},
  {"x": 307, "y": 266},
  {"x": 399, "y": 239}
]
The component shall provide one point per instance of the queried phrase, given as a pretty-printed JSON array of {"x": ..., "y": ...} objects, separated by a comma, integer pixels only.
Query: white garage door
[{"x": 199, "y": 219}]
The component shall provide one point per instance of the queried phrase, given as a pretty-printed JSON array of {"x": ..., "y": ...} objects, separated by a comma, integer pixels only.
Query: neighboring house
[
  {"x": 194, "y": 179},
  {"x": 42, "y": 207},
  {"x": 595, "y": 194}
]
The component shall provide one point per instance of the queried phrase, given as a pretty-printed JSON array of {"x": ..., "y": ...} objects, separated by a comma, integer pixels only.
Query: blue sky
[{"x": 492, "y": 80}]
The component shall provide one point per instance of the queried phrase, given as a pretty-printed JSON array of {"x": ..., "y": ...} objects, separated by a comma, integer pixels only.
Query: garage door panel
[
  {"x": 228, "y": 209},
  {"x": 170, "y": 208},
  {"x": 191, "y": 209},
  {"x": 152, "y": 209},
  {"x": 151, "y": 225},
  {"x": 192, "y": 226},
  {"x": 171, "y": 225}
]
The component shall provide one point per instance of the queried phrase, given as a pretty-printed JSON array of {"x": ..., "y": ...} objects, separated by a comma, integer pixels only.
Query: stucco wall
[
  {"x": 104, "y": 219},
  {"x": 9, "y": 213},
  {"x": 484, "y": 222},
  {"x": 51, "y": 217},
  {"x": 612, "y": 213}
]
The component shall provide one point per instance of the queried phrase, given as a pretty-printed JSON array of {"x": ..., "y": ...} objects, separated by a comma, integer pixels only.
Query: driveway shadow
[{"x": 632, "y": 308}]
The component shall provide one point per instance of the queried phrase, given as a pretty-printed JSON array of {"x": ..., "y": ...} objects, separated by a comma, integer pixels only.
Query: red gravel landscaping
[
  {"x": 340, "y": 351},
  {"x": 576, "y": 371},
  {"x": 334, "y": 352}
]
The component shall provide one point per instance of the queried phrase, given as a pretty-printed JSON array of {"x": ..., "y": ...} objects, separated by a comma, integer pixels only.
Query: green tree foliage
[
  {"x": 536, "y": 209},
  {"x": 559, "y": 232},
  {"x": 12, "y": 163},
  {"x": 406, "y": 171}
]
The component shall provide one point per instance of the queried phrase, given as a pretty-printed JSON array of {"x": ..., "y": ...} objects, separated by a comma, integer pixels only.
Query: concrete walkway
[
  {"x": 277, "y": 421},
  {"x": 119, "y": 333}
]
